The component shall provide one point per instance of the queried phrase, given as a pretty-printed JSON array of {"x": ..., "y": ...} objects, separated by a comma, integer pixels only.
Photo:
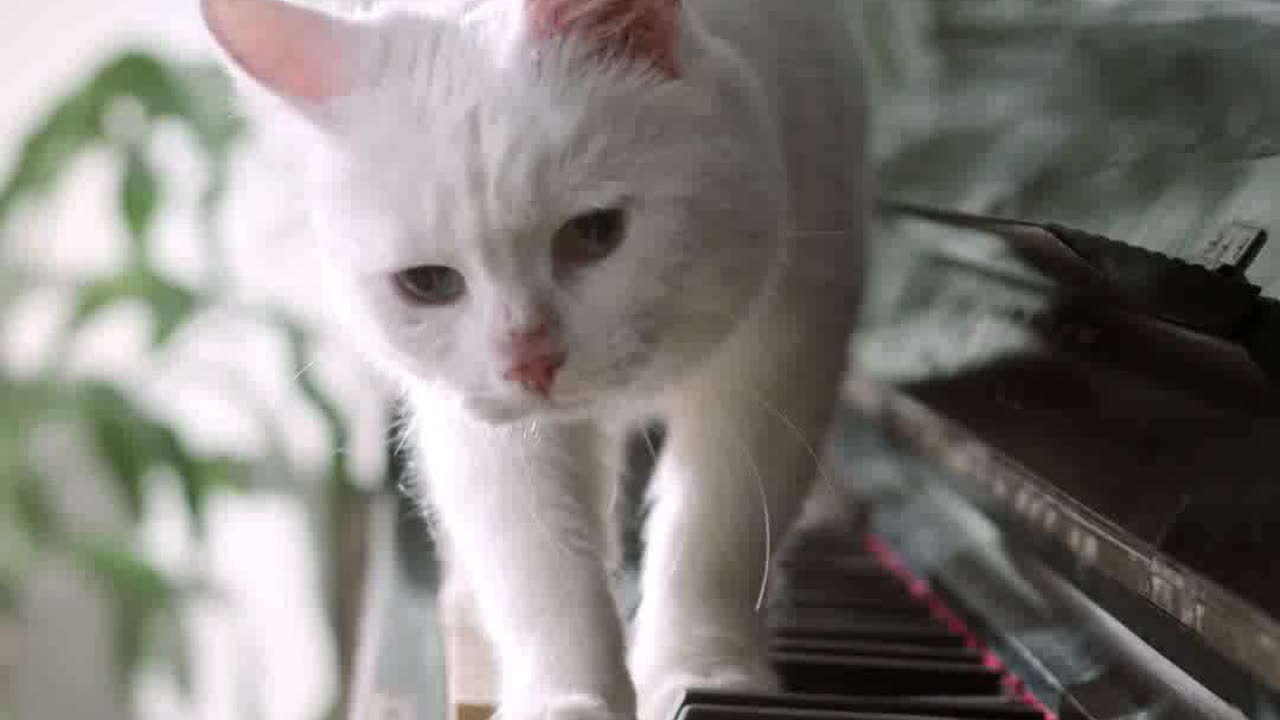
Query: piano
[{"x": 1056, "y": 466}]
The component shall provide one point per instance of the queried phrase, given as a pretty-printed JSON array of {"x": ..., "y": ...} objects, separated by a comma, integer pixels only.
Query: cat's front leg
[
  {"x": 738, "y": 466},
  {"x": 521, "y": 508}
]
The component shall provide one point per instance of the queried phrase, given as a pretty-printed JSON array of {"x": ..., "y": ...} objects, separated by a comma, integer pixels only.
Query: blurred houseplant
[{"x": 118, "y": 110}]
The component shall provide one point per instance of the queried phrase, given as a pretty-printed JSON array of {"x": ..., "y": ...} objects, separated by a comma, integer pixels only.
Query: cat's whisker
[
  {"x": 405, "y": 434},
  {"x": 303, "y": 370},
  {"x": 404, "y": 427},
  {"x": 648, "y": 441},
  {"x": 765, "y": 515},
  {"x": 820, "y": 467}
]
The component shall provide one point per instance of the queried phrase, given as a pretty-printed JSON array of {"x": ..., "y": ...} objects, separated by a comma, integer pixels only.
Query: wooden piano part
[{"x": 471, "y": 677}]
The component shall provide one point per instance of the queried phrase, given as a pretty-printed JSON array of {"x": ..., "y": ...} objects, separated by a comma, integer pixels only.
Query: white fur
[{"x": 724, "y": 312}]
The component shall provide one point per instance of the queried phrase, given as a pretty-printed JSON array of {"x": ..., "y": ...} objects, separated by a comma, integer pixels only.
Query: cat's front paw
[
  {"x": 660, "y": 691},
  {"x": 562, "y": 707}
]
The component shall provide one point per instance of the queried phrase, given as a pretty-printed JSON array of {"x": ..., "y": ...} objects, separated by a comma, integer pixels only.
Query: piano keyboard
[{"x": 854, "y": 637}]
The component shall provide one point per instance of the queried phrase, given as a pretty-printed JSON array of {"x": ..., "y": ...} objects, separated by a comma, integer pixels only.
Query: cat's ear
[
  {"x": 298, "y": 53},
  {"x": 641, "y": 29}
]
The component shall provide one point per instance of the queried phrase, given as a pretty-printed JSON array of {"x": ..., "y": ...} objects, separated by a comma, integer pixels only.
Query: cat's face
[{"x": 535, "y": 228}]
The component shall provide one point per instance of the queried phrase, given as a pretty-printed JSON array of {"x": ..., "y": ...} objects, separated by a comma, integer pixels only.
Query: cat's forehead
[
  {"x": 468, "y": 183},
  {"x": 454, "y": 108},
  {"x": 498, "y": 131},
  {"x": 486, "y": 81},
  {"x": 470, "y": 169},
  {"x": 467, "y": 146}
]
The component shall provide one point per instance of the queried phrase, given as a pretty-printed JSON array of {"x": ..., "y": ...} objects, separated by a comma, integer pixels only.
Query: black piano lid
[
  {"x": 1093, "y": 353},
  {"x": 1138, "y": 449}
]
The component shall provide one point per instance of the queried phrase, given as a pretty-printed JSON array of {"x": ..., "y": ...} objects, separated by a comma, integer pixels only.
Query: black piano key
[
  {"x": 851, "y": 642},
  {"x": 847, "y": 676},
  {"x": 873, "y": 649},
  {"x": 880, "y": 598},
  {"x": 930, "y": 636},
  {"x": 837, "y": 593},
  {"x": 844, "y": 598},
  {"x": 715, "y": 712},
  {"x": 993, "y": 707},
  {"x": 833, "y": 575},
  {"x": 824, "y": 562},
  {"x": 826, "y": 541},
  {"x": 883, "y": 612},
  {"x": 838, "y": 617}
]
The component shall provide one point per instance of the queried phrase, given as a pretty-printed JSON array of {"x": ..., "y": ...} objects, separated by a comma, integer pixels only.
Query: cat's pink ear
[
  {"x": 641, "y": 29},
  {"x": 293, "y": 51}
]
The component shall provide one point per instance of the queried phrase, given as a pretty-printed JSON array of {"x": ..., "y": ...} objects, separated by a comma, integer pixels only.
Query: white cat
[{"x": 547, "y": 219}]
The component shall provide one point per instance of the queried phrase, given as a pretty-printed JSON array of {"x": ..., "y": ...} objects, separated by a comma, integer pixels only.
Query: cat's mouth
[
  {"x": 529, "y": 407},
  {"x": 574, "y": 397}
]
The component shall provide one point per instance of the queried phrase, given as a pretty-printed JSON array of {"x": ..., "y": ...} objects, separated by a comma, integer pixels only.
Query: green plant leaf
[
  {"x": 142, "y": 77},
  {"x": 169, "y": 304},
  {"x": 122, "y": 438},
  {"x": 139, "y": 195},
  {"x": 187, "y": 469},
  {"x": 32, "y": 506},
  {"x": 207, "y": 100},
  {"x": 68, "y": 131},
  {"x": 77, "y": 123},
  {"x": 26, "y": 520},
  {"x": 26, "y": 402},
  {"x": 226, "y": 474},
  {"x": 141, "y": 597},
  {"x": 97, "y": 297},
  {"x": 198, "y": 95},
  {"x": 10, "y": 589},
  {"x": 199, "y": 477},
  {"x": 131, "y": 442}
]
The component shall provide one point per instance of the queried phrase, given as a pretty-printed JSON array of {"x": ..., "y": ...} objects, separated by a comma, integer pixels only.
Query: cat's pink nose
[
  {"x": 538, "y": 373},
  {"x": 527, "y": 343},
  {"x": 531, "y": 356}
]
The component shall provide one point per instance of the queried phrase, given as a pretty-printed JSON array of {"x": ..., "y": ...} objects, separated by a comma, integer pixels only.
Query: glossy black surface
[
  {"x": 1170, "y": 434},
  {"x": 1110, "y": 359},
  {"x": 1082, "y": 662}
]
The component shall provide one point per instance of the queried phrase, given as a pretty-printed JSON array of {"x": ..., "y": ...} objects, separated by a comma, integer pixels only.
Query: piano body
[{"x": 1056, "y": 469}]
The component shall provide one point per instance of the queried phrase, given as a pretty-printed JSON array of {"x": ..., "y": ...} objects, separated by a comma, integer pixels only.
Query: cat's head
[{"x": 543, "y": 205}]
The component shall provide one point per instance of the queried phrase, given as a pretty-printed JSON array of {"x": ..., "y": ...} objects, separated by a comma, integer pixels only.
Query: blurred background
[
  {"x": 187, "y": 457},
  {"x": 183, "y": 455}
]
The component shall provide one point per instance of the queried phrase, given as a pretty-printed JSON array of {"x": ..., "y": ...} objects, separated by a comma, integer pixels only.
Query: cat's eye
[
  {"x": 590, "y": 237},
  {"x": 430, "y": 284}
]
